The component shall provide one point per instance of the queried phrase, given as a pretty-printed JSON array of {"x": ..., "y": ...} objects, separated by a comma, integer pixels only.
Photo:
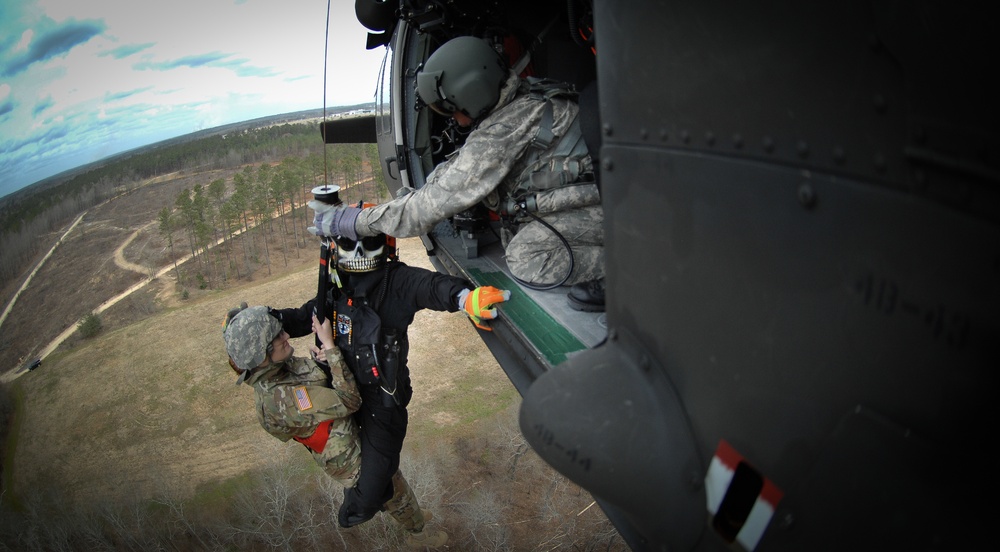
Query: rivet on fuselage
[
  {"x": 802, "y": 148},
  {"x": 806, "y": 195},
  {"x": 839, "y": 157},
  {"x": 880, "y": 162}
]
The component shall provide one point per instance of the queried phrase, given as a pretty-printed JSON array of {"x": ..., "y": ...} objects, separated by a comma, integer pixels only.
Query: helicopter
[{"x": 802, "y": 242}]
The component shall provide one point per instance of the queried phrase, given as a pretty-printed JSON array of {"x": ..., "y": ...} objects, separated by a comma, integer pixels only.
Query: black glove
[{"x": 276, "y": 314}]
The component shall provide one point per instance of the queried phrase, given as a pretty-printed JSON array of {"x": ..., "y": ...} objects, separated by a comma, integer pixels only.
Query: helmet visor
[
  {"x": 443, "y": 107},
  {"x": 429, "y": 90}
]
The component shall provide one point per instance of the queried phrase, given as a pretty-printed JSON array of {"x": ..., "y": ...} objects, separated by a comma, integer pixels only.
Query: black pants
[{"x": 382, "y": 432}]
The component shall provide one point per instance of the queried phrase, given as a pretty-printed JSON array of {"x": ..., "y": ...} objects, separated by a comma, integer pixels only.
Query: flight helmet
[
  {"x": 248, "y": 337},
  {"x": 465, "y": 74}
]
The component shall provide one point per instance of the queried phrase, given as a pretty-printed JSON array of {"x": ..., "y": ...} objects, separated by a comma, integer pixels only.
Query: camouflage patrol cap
[{"x": 248, "y": 335}]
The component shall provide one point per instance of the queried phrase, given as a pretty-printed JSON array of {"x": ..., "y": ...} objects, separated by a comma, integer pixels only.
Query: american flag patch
[{"x": 302, "y": 399}]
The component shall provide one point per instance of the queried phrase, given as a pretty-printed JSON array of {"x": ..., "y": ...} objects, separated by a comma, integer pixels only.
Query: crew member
[{"x": 525, "y": 159}]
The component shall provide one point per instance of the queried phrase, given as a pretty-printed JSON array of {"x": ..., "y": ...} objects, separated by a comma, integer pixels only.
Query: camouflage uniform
[
  {"x": 293, "y": 398},
  {"x": 403, "y": 506},
  {"x": 487, "y": 170}
]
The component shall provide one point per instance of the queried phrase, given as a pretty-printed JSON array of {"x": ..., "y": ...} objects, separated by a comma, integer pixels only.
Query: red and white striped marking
[{"x": 717, "y": 481}]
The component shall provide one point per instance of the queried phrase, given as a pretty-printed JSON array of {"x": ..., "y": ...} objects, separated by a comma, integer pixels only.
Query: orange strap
[{"x": 317, "y": 441}]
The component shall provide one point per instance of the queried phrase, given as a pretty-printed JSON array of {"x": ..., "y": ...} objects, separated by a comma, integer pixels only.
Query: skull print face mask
[{"x": 363, "y": 255}]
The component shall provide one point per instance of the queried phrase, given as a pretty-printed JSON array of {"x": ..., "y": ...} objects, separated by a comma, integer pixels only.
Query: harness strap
[
  {"x": 562, "y": 166},
  {"x": 544, "y": 90},
  {"x": 544, "y": 137}
]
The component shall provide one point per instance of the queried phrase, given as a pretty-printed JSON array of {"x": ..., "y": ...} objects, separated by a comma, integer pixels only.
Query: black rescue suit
[{"x": 371, "y": 314}]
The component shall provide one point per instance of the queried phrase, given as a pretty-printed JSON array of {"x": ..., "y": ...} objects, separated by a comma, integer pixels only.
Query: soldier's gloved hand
[
  {"x": 333, "y": 220},
  {"x": 276, "y": 314},
  {"x": 231, "y": 314},
  {"x": 478, "y": 304}
]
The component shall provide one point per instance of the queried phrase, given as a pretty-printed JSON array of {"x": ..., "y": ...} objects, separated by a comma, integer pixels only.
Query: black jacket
[{"x": 396, "y": 292}]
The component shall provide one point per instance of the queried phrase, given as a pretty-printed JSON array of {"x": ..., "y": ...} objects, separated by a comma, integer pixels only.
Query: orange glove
[{"x": 477, "y": 303}]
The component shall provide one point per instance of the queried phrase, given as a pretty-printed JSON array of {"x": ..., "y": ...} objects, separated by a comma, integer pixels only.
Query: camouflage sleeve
[
  {"x": 489, "y": 154},
  {"x": 343, "y": 380},
  {"x": 268, "y": 418},
  {"x": 297, "y": 399}
]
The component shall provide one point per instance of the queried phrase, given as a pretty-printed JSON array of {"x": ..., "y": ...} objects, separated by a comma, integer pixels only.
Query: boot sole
[{"x": 579, "y": 305}]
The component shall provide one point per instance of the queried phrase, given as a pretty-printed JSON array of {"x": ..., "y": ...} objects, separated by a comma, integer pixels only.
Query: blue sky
[{"x": 84, "y": 79}]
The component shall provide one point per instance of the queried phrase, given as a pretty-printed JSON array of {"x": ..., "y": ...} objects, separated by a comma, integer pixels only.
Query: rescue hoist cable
[
  {"x": 325, "y": 194},
  {"x": 326, "y": 48}
]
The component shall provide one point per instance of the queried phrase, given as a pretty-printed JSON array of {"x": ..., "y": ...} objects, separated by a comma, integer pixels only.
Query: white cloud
[
  {"x": 152, "y": 70},
  {"x": 25, "y": 40}
]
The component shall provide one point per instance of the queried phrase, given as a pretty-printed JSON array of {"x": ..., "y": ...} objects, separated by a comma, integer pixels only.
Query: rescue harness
[{"x": 374, "y": 353}]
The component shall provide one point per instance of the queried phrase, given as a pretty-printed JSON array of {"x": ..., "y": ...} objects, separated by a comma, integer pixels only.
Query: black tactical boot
[{"x": 587, "y": 296}]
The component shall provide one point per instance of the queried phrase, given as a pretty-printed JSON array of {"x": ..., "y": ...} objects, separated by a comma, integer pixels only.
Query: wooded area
[{"x": 273, "y": 170}]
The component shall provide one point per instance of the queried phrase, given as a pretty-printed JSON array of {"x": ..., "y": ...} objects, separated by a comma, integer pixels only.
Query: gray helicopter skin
[{"x": 802, "y": 231}]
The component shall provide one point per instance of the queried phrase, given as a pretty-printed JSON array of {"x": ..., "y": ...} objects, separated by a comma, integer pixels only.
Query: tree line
[
  {"x": 261, "y": 211},
  {"x": 24, "y": 217}
]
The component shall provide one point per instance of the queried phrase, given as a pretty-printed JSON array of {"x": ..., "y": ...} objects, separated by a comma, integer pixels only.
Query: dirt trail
[
  {"x": 120, "y": 253},
  {"x": 120, "y": 260},
  {"x": 27, "y": 280}
]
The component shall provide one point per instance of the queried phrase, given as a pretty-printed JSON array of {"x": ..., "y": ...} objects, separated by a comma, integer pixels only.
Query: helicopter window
[
  {"x": 417, "y": 120},
  {"x": 382, "y": 95}
]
